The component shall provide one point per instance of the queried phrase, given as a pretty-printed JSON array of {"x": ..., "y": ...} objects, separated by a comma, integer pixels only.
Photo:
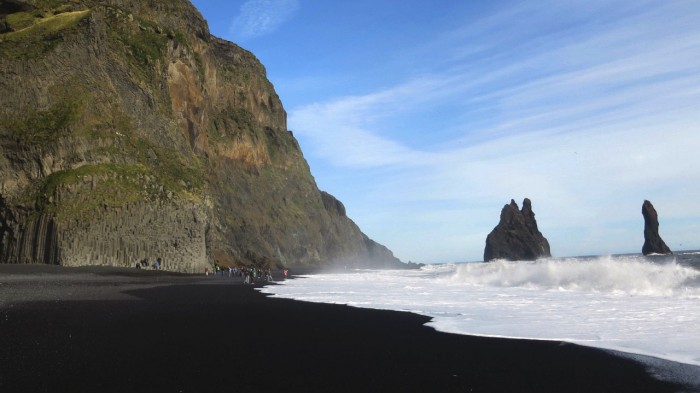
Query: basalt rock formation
[
  {"x": 128, "y": 131},
  {"x": 653, "y": 244},
  {"x": 516, "y": 237}
]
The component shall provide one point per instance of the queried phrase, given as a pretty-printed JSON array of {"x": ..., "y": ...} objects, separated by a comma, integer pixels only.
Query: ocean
[{"x": 645, "y": 307}]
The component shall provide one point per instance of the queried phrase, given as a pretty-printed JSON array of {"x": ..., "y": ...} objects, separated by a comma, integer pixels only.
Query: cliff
[
  {"x": 653, "y": 243},
  {"x": 516, "y": 237},
  {"x": 127, "y": 131}
]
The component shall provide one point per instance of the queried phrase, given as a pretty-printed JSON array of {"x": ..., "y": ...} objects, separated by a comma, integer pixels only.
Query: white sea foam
[
  {"x": 630, "y": 304},
  {"x": 613, "y": 275}
]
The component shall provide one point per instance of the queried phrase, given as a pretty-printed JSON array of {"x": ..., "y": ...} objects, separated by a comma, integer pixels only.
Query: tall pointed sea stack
[
  {"x": 516, "y": 237},
  {"x": 653, "y": 244}
]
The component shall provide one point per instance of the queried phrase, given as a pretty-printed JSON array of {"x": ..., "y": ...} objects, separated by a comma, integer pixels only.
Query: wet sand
[{"x": 117, "y": 330}]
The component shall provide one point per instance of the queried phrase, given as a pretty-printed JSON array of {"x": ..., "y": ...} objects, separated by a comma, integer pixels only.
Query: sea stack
[
  {"x": 653, "y": 244},
  {"x": 516, "y": 237}
]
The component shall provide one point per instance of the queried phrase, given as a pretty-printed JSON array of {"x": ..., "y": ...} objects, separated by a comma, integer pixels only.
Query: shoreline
[
  {"x": 669, "y": 370},
  {"x": 115, "y": 332}
]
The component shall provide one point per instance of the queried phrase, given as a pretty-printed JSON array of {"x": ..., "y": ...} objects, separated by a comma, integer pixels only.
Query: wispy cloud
[
  {"x": 261, "y": 17},
  {"x": 587, "y": 122}
]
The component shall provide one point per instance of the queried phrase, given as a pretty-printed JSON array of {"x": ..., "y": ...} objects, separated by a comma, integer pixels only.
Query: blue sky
[{"x": 425, "y": 118}]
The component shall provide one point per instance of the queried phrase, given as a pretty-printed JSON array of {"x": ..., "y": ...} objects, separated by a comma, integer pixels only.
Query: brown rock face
[
  {"x": 127, "y": 132},
  {"x": 653, "y": 244},
  {"x": 516, "y": 237}
]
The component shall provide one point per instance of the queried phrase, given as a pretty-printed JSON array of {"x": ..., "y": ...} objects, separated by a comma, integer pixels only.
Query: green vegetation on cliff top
[{"x": 36, "y": 35}]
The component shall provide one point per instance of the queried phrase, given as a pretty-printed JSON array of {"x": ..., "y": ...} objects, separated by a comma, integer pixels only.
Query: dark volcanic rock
[
  {"x": 653, "y": 244},
  {"x": 516, "y": 236}
]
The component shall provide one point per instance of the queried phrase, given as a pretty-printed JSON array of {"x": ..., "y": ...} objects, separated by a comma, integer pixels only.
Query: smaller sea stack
[
  {"x": 653, "y": 244},
  {"x": 516, "y": 237}
]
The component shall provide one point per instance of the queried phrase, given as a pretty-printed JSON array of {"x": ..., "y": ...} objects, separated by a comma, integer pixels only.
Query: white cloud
[
  {"x": 586, "y": 127},
  {"x": 260, "y": 17},
  {"x": 341, "y": 130}
]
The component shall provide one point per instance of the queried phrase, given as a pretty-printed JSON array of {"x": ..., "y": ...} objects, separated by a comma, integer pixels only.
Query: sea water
[{"x": 630, "y": 303}]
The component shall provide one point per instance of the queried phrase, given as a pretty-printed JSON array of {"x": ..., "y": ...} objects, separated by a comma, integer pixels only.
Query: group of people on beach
[
  {"x": 157, "y": 264},
  {"x": 250, "y": 275}
]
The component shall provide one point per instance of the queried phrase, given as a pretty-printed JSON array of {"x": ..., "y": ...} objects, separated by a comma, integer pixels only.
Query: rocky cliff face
[
  {"x": 516, "y": 237},
  {"x": 653, "y": 243},
  {"x": 127, "y": 131}
]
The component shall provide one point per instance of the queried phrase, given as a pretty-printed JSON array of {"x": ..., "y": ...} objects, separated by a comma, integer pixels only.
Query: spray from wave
[{"x": 612, "y": 275}]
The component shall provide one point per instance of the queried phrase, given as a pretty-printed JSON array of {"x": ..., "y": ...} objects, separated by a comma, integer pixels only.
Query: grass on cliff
[
  {"x": 143, "y": 41},
  {"x": 39, "y": 128},
  {"x": 91, "y": 187},
  {"x": 165, "y": 176},
  {"x": 112, "y": 137},
  {"x": 146, "y": 46},
  {"x": 73, "y": 176},
  {"x": 173, "y": 172},
  {"x": 178, "y": 172},
  {"x": 72, "y": 193},
  {"x": 36, "y": 35},
  {"x": 20, "y": 20}
]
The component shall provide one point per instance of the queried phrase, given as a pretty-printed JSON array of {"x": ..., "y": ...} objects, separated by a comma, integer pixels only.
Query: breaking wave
[{"x": 661, "y": 276}]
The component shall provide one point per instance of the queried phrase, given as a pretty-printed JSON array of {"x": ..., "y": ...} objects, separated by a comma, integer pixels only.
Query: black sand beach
[{"x": 111, "y": 330}]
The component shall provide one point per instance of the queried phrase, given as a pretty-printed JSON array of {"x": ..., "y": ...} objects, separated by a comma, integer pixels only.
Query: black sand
[{"x": 117, "y": 332}]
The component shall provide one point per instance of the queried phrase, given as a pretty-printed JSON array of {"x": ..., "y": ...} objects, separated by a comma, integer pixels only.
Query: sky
[{"x": 426, "y": 118}]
